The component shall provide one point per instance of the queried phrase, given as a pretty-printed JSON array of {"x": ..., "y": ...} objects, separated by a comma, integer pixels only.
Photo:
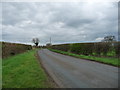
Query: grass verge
[
  {"x": 24, "y": 71},
  {"x": 110, "y": 61}
]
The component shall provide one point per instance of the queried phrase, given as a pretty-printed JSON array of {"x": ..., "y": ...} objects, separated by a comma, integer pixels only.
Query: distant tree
[
  {"x": 35, "y": 41},
  {"x": 48, "y": 44},
  {"x": 108, "y": 44},
  {"x": 109, "y": 39}
]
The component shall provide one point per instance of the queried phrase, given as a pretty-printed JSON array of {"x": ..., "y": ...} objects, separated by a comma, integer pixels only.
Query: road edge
[
  {"x": 52, "y": 81},
  {"x": 86, "y": 59}
]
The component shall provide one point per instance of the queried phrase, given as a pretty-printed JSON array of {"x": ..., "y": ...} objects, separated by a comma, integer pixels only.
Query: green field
[
  {"x": 24, "y": 71},
  {"x": 106, "y": 60}
]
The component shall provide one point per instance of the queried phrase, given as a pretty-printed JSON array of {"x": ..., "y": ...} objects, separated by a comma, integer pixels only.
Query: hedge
[
  {"x": 10, "y": 49},
  {"x": 96, "y": 48}
]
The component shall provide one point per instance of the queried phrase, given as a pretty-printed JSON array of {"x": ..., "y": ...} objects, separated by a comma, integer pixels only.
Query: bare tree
[
  {"x": 35, "y": 41},
  {"x": 109, "y": 39}
]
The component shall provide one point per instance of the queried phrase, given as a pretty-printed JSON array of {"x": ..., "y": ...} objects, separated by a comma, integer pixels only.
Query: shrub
[
  {"x": 9, "y": 49},
  {"x": 97, "y": 48}
]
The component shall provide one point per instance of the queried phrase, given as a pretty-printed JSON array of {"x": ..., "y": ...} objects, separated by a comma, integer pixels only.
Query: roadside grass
[
  {"x": 105, "y": 60},
  {"x": 24, "y": 71}
]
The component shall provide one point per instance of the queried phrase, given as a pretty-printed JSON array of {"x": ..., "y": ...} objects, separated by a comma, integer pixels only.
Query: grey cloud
[{"x": 64, "y": 22}]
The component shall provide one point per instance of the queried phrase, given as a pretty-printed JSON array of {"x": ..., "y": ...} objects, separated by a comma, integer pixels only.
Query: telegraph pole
[{"x": 50, "y": 40}]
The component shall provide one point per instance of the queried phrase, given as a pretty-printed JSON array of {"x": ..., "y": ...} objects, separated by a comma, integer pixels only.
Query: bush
[
  {"x": 10, "y": 49},
  {"x": 97, "y": 48},
  {"x": 117, "y": 49},
  {"x": 75, "y": 48}
]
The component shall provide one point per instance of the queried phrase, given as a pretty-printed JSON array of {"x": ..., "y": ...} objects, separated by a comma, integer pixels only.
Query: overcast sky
[{"x": 63, "y": 22}]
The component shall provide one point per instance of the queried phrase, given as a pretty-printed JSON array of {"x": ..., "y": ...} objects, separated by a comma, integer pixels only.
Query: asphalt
[{"x": 70, "y": 72}]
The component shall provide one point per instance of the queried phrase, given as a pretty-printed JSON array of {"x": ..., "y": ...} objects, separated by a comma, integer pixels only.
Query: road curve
[{"x": 70, "y": 72}]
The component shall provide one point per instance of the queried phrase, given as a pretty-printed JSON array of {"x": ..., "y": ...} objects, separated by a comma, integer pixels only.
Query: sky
[{"x": 64, "y": 22}]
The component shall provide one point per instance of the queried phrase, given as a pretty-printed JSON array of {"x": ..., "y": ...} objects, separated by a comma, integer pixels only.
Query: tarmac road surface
[{"x": 70, "y": 72}]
